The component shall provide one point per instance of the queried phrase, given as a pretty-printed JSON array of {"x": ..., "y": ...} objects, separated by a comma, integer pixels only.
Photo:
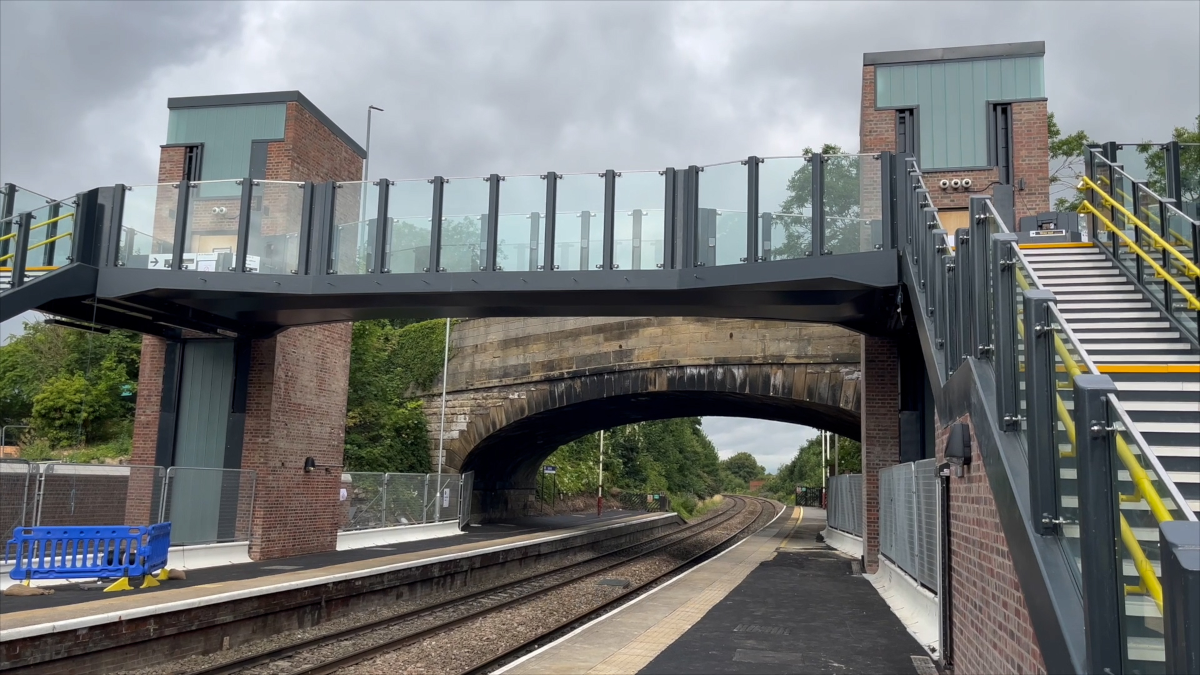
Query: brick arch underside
[{"x": 506, "y": 446}]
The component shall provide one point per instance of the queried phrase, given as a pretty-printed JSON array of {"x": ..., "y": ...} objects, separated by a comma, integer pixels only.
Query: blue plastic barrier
[{"x": 86, "y": 552}]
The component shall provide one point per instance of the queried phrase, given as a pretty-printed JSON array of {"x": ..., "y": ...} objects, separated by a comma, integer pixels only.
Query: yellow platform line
[
  {"x": 795, "y": 523},
  {"x": 1158, "y": 369},
  {"x": 1065, "y": 244}
]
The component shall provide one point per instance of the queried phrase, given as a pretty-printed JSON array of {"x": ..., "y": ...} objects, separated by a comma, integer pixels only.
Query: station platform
[
  {"x": 778, "y": 602},
  {"x": 78, "y": 606}
]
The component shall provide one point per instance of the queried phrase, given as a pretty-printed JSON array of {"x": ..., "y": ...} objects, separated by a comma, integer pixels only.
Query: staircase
[{"x": 1156, "y": 368}]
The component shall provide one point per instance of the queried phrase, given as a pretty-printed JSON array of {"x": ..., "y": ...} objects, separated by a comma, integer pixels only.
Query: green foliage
[
  {"x": 1067, "y": 151},
  {"x": 67, "y": 384},
  {"x": 1189, "y": 164},
  {"x": 842, "y": 206},
  {"x": 666, "y": 456},
  {"x": 390, "y": 363},
  {"x": 744, "y": 467},
  {"x": 805, "y": 469}
]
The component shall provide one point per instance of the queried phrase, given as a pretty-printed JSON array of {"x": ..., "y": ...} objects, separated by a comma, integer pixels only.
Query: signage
[
  {"x": 446, "y": 497},
  {"x": 549, "y": 469}
]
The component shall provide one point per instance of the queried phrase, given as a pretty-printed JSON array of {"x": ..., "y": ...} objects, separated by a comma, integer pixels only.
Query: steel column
[
  {"x": 102, "y": 234},
  {"x": 435, "y": 226},
  {"x": 307, "y": 208},
  {"x": 1171, "y": 159},
  {"x": 1103, "y": 578},
  {"x": 752, "y": 163},
  {"x": 488, "y": 259},
  {"x": 951, "y": 315},
  {"x": 610, "y": 199},
  {"x": 20, "y": 249},
  {"x": 1041, "y": 450},
  {"x": 551, "y": 220},
  {"x": 887, "y": 223},
  {"x": 51, "y": 231},
  {"x": 965, "y": 317},
  {"x": 687, "y": 217},
  {"x": 670, "y": 256},
  {"x": 243, "y": 226},
  {"x": 380, "y": 262},
  {"x": 1004, "y": 300},
  {"x": 320, "y": 229},
  {"x": 1179, "y": 542},
  {"x": 980, "y": 320},
  {"x": 818, "y": 204}
]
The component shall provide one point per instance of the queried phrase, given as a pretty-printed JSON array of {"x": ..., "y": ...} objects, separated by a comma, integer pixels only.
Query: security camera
[
  {"x": 945, "y": 183},
  {"x": 216, "y": 210},
  {"x": 966, "y": 183},
  {"x": 956, "y": 183}
]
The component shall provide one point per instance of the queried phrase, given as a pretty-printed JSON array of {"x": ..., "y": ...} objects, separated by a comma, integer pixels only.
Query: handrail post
[
  {"x": 1042, "y": 451},
  {"x": 1171, "y": 150},
  {"x": 924, "y": 256},
  {"x": 887, "y": 212},
  {"x": 818, "y": 204},
  {"x": 1099, "y": 516},
  {"x": 243, "y": 227},
  {"x": 1179, "y": 542},
  {"x": 383, "y": 232},
  {"x": 752, "y": 255},
  {"x": 20, "y": 249},
  {"x": 551, "y": 220},
  {"x": 101, "y": 233},
  {"x": 670, "y": 258},
  {"x": 181, "y": 210},
  {"x": 687, "y": 216},
  {"x": 487, "y": 262},
  {"x": 980, "y": 248},
  {"x": 610, "y": 219},
  {"x": 965, "y": 317},
  {"x": 435, "y": 225},
  {"x": 307, "y": 207},
  {"x": 951, "y": 315},
  {"x": 51, "y": 232},
  {"x": 1004, "y": 299}
]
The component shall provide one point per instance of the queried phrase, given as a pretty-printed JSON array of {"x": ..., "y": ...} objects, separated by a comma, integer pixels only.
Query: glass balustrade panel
[
  {"x": 148, "y": 226},
  {"x": 579, "y": 222},
  {"x": 50, "y": 232},
  {"x": 355, "y": 214},
  {"x": 521, "y": 232},
  {"x": 464, "y": 224},
  {"x": 722, "y": 195},
  {"x": 785, "y": 205},
  {"x": 410, "y": 214},
  {"x": 273, "y": 240},
  {"x": 640, "y": 202},
  {"x": 852, "y": 205},
  {"x": 211, "y": 226}
]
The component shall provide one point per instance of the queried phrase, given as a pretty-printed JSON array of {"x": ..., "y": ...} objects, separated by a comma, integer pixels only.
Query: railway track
[{"x": 383, "y": 636}]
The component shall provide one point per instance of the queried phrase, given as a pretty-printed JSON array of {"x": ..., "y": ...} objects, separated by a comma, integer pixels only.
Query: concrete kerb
[
  {"x": 843, "y": 541},
  {"x": 23, "y": 632},
  {"x": 916, "y": 607}
]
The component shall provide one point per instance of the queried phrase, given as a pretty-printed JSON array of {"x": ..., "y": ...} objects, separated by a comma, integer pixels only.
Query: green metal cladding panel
[
  {"x": 952, "y": 98},
  {"x": 226, "y": 133}
]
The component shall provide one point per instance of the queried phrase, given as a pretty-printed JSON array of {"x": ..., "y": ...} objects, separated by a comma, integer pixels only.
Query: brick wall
[
  {"x": 992, "y": 629},
  {"x": 149, "y": 400},
  {"x": 880, "y": 416},
  {"x": 1031, "y": 157},
  {"x": 877, "y": 128}
]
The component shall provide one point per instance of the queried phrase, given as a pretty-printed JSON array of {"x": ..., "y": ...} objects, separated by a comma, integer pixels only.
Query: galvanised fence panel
[
  {"x": 845, "y": 503},
  {"x": 909, "y": 518}
]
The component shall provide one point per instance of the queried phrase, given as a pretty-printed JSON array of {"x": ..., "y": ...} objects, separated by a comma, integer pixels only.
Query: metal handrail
[
  {"x": 1193, "y": 303},
  {"x": 1086, "y": 183}
]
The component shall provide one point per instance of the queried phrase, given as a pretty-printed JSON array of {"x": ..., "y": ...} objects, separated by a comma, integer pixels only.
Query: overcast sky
[{"x": 472, "y": 89}]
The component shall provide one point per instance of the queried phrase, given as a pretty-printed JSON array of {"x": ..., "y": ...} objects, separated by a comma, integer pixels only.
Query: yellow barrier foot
[
  {"x": 121, "y": 584},
  {"x": 149, "y": 581},
  {"x": 163, "y": 574},
  {"x": 26, "y": 582}
]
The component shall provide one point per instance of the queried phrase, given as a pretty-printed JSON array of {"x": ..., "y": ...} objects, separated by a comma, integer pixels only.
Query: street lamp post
[
  {"x": 367, "y": 159},
  {"x": 442, "y": 432},
  {"x": 600, "y": 490}
]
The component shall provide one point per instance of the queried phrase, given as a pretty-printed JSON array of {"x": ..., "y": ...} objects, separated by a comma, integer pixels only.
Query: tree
[
  {"x": 1189, "y": 164},
  {"x": 1067, "y": 151},
  {"x": 842, "y": 206},
  {"x": 744, "y": 467}
]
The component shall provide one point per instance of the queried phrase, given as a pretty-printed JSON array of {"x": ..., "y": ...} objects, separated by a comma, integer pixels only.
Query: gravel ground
[
  {"x": 192, "y": 663},
  {"x": 483, "y": 638}
]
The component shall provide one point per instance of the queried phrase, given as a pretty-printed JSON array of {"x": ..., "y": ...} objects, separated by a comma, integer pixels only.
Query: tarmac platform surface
[
  {"x": 779, "y": 602},
  {"x": 72, "y": 600}
]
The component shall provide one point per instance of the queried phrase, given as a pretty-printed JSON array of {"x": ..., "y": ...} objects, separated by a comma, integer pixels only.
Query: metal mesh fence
[
  {"x": 845, "y": 503},
  {"x": 18, "y": 483},
  {"x": 908, "y": 519},
  {"x": 89, "y": 494},
  {"x": 206, "y": 505},
  {"x": 390, "y": 499}
]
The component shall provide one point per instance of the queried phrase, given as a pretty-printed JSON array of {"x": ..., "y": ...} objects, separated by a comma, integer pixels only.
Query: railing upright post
[
  {"x": 1179, "y": 542},
  {"x": 435, "y": 227},
  {"x": 181, "y": 209},
  {"x": 488, "y": 263},
  {"x": 1089, "y": 169},
  {"x": 51, "y": 231},
  {"x": 951, "y": 314},
  {"x": 927, "y": 254},
  {"x": 551, "y": 220},
  {"x": 752, "y": 163},
  {"x": 243, "y": 227},
  {"x": 818, "y": 204},
  {"x": 21, "y": 249},
  {"x": 1171, "y": 159},
  {"x": 1042, "y": 451},
  {"x": 97, "y": 238},
  {"x": 1099, "y": 530},
  {"x": 307, "y": 207},
  {"x": 670, "y": 258},
  {"x": 887, "y": 213},
  {"x": 980, "y": 320},
  {"x": 1004, "y": 318},
  {"x": 610, "y": 219},
  {"x": 687, "y": 216},
  {"x": 383, "y": 231},
  {"x": 966, "y": 312}
]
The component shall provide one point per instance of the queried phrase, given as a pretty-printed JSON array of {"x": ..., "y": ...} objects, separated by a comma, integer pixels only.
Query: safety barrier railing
[
  {"x": 844, "y": 505},
  {"x": 909, "y": 519},
  {"x": 374, "y": 500},
  {"x": 206, "y": 505},
  {"x": 35, "y": 240}
]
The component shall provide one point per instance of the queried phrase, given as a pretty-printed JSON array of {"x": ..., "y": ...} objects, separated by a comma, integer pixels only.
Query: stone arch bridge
[{"x": 519, "y": 388}]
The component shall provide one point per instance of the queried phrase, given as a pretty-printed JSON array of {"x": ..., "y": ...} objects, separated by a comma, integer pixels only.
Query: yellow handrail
[
  {"x": 1143, "y": 487},
  {"x": 1192, "y": 302},
  {"x": 10, "y": 235},
  {"x": 1190, "y": 267},
  {"x": 52, "y": 220},
  {"x": 43, "y": 243}
]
